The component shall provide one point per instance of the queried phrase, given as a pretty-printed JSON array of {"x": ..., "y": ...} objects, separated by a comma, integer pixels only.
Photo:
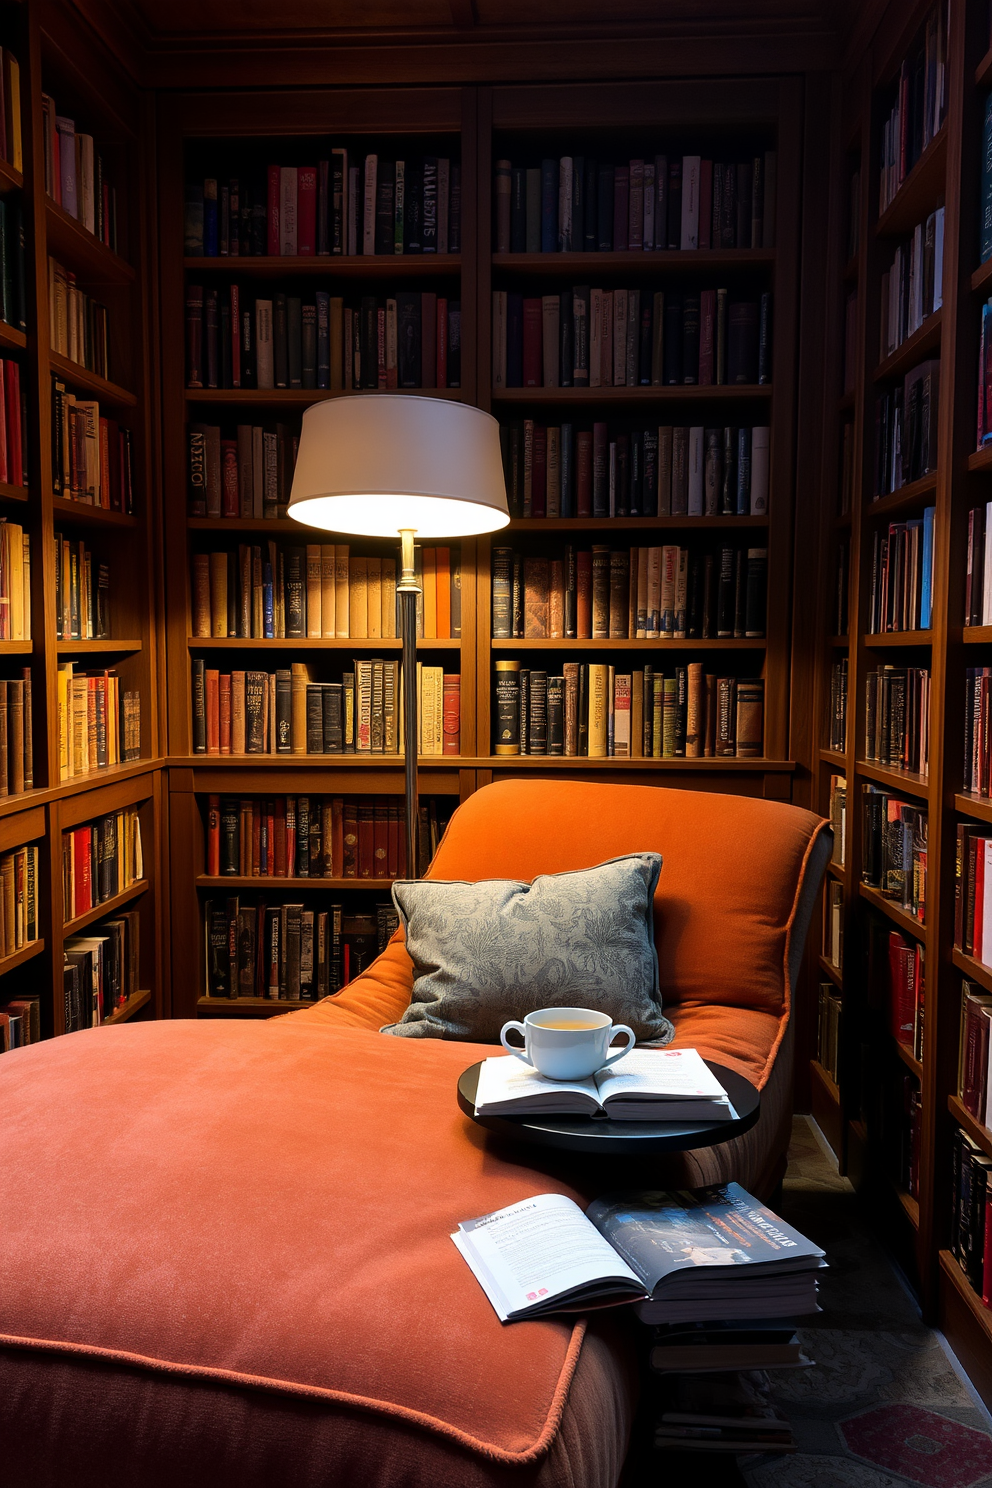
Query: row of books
[
  {"x": 92, "y": 456},
  {"x": 837, "y": 735},
  {"x": 270, "y": 592},
  {"x": 906, "y": 991},
  {"x": 912, "y": 287},
  {"x": 906, "y": 429},
  {"x": 15, "y": 582},
  {"x": 973, "y": 1052},
  {"x": 20, "y": 1023},
  {"x": 666, "y": 592},
  {"x": 837, "y": 813},
  {"x": 75, "y": 175},
  {"x": 897, "y": 717},
  {"x": 333, "y": 207},
  {"x": 919, "y": 107},
  {"x": 900, "y": 596},
  {"x": 78, "y": 325},
  {"x": 411, "y": 339},
  {"x": 243, "y": 471},
  {"x": 287, "y": 712},
  {"x": 664, "y": 470},
  {"x": 830, "y": 1006},
  {"x": 971, "y": 1214},
  {"x": 13, "y": 425},
  {"x": 101, "y": 970},
  {"x": 288, "y": 952},
  {"x": 18, "y": 898},
  {"x": 588, "y": 337},
  {"x": 977, "y": 774},
  {"x": 82, "y": 592},
  {"x": 593, "y": 709},
  {"x": 13, "y": 287},
  {"x": 99, "y": 722},
  {"x": 894, "y": 849},
  {"x": 101, "y": 860},
  {"x": 16, "y": 735},
  {"x": 581, "y": 204},
  {"x": 305, "y": 837},
  {"x": 973, "y": 891}
]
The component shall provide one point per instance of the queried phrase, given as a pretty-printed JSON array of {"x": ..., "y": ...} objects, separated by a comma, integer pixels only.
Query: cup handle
[
  {"x": 631, "y": 1041},
  {"x": 510, "y": 1048}
]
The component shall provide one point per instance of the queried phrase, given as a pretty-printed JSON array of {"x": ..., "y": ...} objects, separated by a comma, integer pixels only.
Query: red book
[
  {"x": 279, "y": 834},
  {"x": 82, "y": 898},
  {"x": 393, "y": 865},
  {"x": 12, "y": 407},
  {"x": 705, "y": 204},
  {"x": 451, "y": 714},
  {"x": 583, "y": 594},
  {"x": 366, "y": 840},
  {"x": 707, "y": 337},
  {"x": 213, "y": 836},
  {"x": 442, "y": 343},
  {"x": 270, "y": 839},
  {"x": 5, "y": 473},
  {"x": 256, "y": 840},
  {"x": 539, "y": 473},
  {"x": 583, "y": 473},
  {"x": 272, "y": 213},
  {"x": 224, "y": 711},
  {"x": 235, "y": 336},
  {"x": 212, "y": 695},
  {"x": 621, "y": 207},
  {"x": 902, "y": 1001},
  {"x": 380, "y": 840},
  {"x": 533, "y": 357},
  {"x": 428, "y": 340},
  {"x": 306, "y": 210}
]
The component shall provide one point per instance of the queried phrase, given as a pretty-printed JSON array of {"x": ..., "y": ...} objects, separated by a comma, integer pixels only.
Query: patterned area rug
[{"x": 883, "y": 1407}]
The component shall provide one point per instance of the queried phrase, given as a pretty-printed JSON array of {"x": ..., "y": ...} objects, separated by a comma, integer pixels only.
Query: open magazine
[
  {"x": 684, "y": 1256},
  {"x": 645, "y": 1085}
]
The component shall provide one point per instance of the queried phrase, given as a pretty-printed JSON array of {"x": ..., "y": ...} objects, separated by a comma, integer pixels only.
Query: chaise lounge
[{"x": 249, "y": 1281}]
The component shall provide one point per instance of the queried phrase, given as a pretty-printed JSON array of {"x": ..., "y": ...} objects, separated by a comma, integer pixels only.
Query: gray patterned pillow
[{"x": 485, "y": 952}]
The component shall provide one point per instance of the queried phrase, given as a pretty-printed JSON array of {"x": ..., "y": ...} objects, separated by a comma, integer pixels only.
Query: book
[{"x": 644, "y": 1085}]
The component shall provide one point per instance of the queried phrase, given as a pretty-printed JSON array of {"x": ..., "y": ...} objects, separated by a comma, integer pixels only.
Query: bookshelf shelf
[
  {"x": 981, "y": 459},
  {"x": 302, "y": 397},
  {"x": 83, "y": 648},
  {"x": 917, "y": 346},
  {"x": 14, "y": 493},
  {"x": 973, "y": 1302},
  {"x": 899, "y": 780},
  {"x": 981, "y": 277},
  {"x": 108, "y": 907},
  {"x": 716, "y": 763},
  {"x": 134, "y": 1004},
  {"x": 829, "y": 969},
  {"x": 11, "y": 339},
  {"x": 905, "y": 499},
  {"x": 828, "y": 1082},
  {"x": 898, "y": 638},
  {"x": 976, "y": 635},
  {"x": 833, "y": 757},
  {"x": 628, "y": 524},
  {"x": 249, "y": 1007},
  {"x": 16, "y": 648},
  {"x": 910, "y": 1205},
  {"x": 91, "y": 382},
  {"x": 693, "y": 393},
  {"x": 974, "y": 970},
  {"x": 669, "y": 261},
  {"x": 246, "y": 881},
  {"x": 977, "y": 1130},
  {"x": 18, "y": 958},
  {"x": 621, "y": 645},
  {"x": 69, "y": 240},
  {"x": 968, "y": 804},
  {"x": 10, "y": 179},
  {"x": 920, "y": 191},
  {"x": 840, "y": 641},
  {"x": 908, "y": 1059},
  {"x": 95, "y": 516},
  {"x": 337, "y": 643},
  {"x": 899, "y": 916},
  {"x": 331, "y": 266}
]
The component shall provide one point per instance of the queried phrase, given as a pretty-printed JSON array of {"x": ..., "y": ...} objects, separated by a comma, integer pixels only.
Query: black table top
[{"x": 602, "y": 1135}]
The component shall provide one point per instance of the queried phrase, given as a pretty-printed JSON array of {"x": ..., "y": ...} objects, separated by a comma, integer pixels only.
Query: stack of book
[
  {"x": 830, "y": 1006},
  {"x": 589, "y": 337},
  {"x": 897, "y": 717},
  {"x": 100, "y": 860},
  {"x": 15, "y": 582},
  {"x": 973, "y": 891},
  {"x": 918, "y": 109},
  {"x": 92, "y": 456},
  {"x": 977, "y": 732},
  {"x": 360, "y": 837},
  {"x": 912, "y": 287},
  {"x": 99, "y": 722},
  {"x": 580, "y": 203},
  {"x": 289, "y": 712},
  {"x": 334, "y": 207},
  {"x": 408, "y": 340},
  {"x": 594, "y": 709},
  {"x": 82, "y": 592},
  {"x": 18, "y": 899},
  {"x": 901, "y": 592},
  {"x": 668, "y": 470},
  {"x": 20, "y": 1023},
  {"x": 78, "y": 325},
  {"x": 894, "y": 849},
  {"x": 276, "y": 592},
  {"x": 906, "y": 429},
  {"x": 75, "y": 176},
  {"x": 101, "y": 970},
  {"x": 658, "y": 593},
  {"x": 724, "y": 1412},
  {"x": 973, "y": 1051}
]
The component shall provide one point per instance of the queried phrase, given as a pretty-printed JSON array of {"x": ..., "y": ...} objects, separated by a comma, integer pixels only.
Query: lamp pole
[{"x": 408, "y": 589}]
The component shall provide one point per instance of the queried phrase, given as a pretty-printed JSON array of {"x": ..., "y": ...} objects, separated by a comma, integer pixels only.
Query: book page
[
  {"x": 507, "y": 1078},
  {"x": 674, "y": 1072},
  {"x": 527, "y": 1254}
]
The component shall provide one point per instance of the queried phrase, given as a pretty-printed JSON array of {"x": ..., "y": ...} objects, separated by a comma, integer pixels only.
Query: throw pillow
[{"x": 489, "y": 951}]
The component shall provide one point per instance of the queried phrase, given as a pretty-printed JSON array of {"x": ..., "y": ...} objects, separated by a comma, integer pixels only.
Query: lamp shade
[{"x": 378, "y": 462}]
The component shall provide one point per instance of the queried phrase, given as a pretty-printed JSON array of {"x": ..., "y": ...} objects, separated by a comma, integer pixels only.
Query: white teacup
[{"x": 567, "y": 1043}]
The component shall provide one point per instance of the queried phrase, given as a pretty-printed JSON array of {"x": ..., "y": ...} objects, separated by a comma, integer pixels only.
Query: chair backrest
[{"x": 730, "y": 910}]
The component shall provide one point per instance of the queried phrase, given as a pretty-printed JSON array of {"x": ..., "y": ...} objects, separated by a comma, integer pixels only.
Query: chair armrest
[{"x": 378, "y": 996}]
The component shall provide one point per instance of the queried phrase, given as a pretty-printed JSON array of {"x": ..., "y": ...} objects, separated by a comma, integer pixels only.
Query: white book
[
  {"x": 353, "y": 213},
  {"x": 649, "y": 1082},
  {"x": 938, "y": 259},
  {"x": 760, "y": 455},
  {"x": 287, "y": 211},
  {"x": 368, "y": 217},
  {"x": 550, "y": 311},
  {"x": 565, "y": 204},
  {"x": 264, "y": 364},
  {"x": 696, "y": 455},
  {"x": 690, "y": 201}
]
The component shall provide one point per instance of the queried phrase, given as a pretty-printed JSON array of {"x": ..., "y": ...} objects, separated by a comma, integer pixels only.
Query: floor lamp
[{"x": 387, "y": 464}]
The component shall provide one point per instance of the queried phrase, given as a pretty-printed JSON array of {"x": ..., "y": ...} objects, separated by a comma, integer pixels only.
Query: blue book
[
  {"x": 926, "y": 583},
  {"x": 986, "y": 221},
  {"x": 268, "y": 607},
  {"x": 567, "y": 458},
  {"x": 323, "y": 338},
  {"x": 549, "y": 206}
]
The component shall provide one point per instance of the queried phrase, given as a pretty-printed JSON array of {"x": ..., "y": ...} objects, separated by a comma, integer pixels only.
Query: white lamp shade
[{"x": 378, "y": 462}]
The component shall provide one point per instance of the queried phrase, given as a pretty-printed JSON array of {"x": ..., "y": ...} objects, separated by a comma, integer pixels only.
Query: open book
[
  {"x": 684, "y": 1256},
  {"x": 645, "y": 1085}
]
